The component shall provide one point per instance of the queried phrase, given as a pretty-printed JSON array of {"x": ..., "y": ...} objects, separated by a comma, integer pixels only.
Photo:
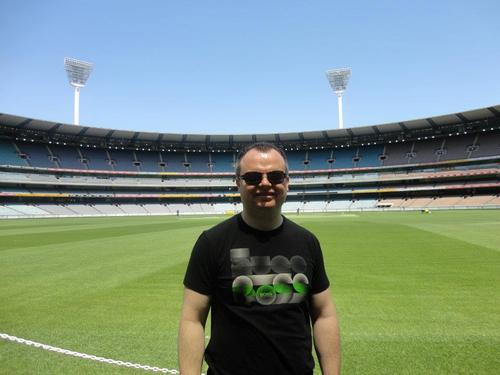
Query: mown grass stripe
[{"x": 57, "y": 237}]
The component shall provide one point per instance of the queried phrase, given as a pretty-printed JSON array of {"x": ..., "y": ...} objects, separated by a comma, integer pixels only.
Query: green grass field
[{"x": 415, "y": 293}]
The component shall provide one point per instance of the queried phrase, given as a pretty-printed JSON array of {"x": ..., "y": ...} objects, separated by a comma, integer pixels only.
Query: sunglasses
[{"x": 255, "y": 178}]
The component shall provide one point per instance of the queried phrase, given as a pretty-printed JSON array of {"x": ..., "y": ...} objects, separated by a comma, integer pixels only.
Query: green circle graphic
[
  {"x": 282, "y": 288},
  {"x": 245, "y": 289},
  {"x": 265, "y": 291},
  {"x": 300, "y": 287}
]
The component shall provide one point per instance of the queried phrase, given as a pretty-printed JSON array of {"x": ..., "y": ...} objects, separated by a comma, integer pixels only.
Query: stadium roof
[{"x": 18, "y": 126}]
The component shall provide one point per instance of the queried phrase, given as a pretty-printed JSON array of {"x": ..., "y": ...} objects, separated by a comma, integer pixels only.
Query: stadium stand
[
  {"x": 480, "y": 200},
  {"x": 157, "y": 209},
  {"x": 9, "y": 155},
  {"x": 398, "y": 154},
  {"x": 296, "y": 160},
  {"x": 96, "y": 159},
  {"x": 38, "y": 155},
  {"x": 123, "y": 160},
  {"x": 456, "y": 147},
  {"x": 148, "y": 161},
  {"x": 176, "y": 162},
  {"x": 222, "y": 162},
  {"x": 340, "y": 205},
  {"x": 198, "y": 162},
  {"x": 68, "y": 157},
  {"x": 369, "y": 156},
  {"x": 7, "y": 211},
  {"x": 361, "y": 204},
  {"x": 319, "y": 159},
  {"x": 56, "y": 209},
  {"x": 487, "y": 144},
  {"x": 344, "y": 158},
  {"x": 450, "y": 161}
]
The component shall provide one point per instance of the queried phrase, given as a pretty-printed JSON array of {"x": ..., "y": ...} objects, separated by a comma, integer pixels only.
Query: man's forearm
[
  {"x": 327, "y": 343},
  {"x": 191, "y": 347}
]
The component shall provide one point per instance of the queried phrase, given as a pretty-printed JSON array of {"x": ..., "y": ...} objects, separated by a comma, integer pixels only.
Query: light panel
[
  {"x": 78, "y": 71},
  {"x": 338, "y": 78}
]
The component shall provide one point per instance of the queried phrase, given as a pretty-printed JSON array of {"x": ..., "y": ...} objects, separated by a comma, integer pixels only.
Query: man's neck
[{"x": 262, "y": 220}]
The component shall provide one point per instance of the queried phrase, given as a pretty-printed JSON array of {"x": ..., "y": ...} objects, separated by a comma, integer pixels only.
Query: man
[{"x": 263, "y": 278}]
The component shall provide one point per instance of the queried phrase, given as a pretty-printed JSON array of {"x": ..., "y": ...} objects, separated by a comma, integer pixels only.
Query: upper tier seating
[
  {"x": 397, "y": 153},
  {"x": 123, "y": 160},
  {"x": 318, "y": 160},
  {"x": 38, "y": 154},
  {"x": 222, "y": 162},
  {"x": 198, "y": 162},
  {"x": 411, "y": 152},
  {"x": 296, "y": 160},
  {"x": 344, "y": 158},
  {"x": 97, "y": 159},
  {"x": 487, "y": 144},
  {"x": 149, "y": 161},
  {"x": 67, "y": 157},
  {"x": 9, "y": 154},
  {"x": 369, "y": 156},
  {"x": 455, "y": 148},
  {"x": 175, "y": 162}
]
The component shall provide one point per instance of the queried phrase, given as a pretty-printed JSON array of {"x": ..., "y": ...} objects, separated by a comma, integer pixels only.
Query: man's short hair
[{"x": 262, "y": 147}]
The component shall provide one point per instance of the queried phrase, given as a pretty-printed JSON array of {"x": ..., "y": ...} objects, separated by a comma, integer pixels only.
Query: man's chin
[{"x": 266, "y": 203}]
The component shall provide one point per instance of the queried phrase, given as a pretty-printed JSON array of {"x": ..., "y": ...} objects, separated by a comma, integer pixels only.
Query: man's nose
[{"x": 265, "y": 181}]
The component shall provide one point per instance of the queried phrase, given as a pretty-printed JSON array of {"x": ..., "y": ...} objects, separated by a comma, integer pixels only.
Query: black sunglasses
[{"x": 255, "y": 178}]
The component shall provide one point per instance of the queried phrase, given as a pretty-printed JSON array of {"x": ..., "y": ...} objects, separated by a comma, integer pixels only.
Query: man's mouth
[{"x": 265, "y": 194}]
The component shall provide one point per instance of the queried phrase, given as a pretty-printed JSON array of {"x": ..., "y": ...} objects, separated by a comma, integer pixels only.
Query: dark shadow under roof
[{"x": 24, "y": 123}]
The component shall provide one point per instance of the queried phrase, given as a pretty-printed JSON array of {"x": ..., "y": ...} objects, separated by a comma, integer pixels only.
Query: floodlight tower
[
  {"x": 78, "y": 72},
  {"x": 338, "y": 79}
]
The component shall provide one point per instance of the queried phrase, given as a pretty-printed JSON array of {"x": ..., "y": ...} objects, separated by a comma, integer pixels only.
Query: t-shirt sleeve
[
  {"x": 200, "y": 273},
  {"x": 320, "y": 280}
]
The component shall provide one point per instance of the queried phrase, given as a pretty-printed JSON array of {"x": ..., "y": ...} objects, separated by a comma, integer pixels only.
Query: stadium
[
  {"x": 99, "y": 217},
  {"x": 109, "y": 216},
  {"x": 51, "y": 169}
]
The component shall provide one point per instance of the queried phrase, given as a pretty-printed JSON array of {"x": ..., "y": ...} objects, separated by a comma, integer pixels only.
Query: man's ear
[{"x": 238, "y": 182}]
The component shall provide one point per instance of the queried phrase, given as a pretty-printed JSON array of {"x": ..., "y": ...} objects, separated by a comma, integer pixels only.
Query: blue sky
[{"x": 222, "y": 66}]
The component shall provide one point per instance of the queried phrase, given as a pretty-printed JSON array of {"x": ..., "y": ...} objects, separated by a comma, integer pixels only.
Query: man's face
[{"x": 265, "y": 195}]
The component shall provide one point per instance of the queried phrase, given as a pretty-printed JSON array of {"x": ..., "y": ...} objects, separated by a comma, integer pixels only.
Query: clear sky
[{"x": 227, "y": 66}]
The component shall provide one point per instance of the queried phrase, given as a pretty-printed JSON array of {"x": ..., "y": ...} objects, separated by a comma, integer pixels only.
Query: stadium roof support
[
  {"x": 338, "y": 79},
  {"x": 78, "y": 72}
]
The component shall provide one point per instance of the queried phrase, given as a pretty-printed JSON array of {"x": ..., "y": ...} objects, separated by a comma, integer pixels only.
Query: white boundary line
[{"x": 5, "y": 336}]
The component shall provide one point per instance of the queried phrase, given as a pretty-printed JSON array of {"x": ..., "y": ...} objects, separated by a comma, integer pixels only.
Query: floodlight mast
[
  {"x": 338, "y": 79},
  {"x": 78, "y": 72}
]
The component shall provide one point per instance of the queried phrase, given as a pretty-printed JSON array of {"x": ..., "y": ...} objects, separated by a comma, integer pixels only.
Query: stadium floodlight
[
  {"x": 78, "y": 72},
  {"x": 338, "y": 79}
]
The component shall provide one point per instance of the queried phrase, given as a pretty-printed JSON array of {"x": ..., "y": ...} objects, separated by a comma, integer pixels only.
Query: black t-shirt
[{"x": 260, "y": 283}]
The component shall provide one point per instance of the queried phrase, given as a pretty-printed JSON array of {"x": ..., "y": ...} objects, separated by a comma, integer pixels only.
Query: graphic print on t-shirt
[{"x": 268, "y": 281}]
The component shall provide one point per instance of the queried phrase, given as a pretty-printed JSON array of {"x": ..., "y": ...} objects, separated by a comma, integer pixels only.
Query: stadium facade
[{"x": 52, "y": 169}]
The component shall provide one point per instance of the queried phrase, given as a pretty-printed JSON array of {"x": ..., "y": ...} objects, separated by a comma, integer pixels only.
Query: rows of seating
[
  {"x": 422, "y": 151},
  {"x": 433, "y": 202},
  {"x": 9, "y": 210},
  {"x": 456, "y": 147},
  {"x": 92, "y": 191},
  {"x": 108, "y": 209},
  {"x": 9, "y": 155},
  {"x": 18, "y": 183}
]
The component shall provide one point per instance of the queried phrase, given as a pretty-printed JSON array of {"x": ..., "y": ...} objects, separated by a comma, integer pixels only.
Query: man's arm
[
  {"x": 191, "y": 342},
  {"x": 326, "y": 332}
]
